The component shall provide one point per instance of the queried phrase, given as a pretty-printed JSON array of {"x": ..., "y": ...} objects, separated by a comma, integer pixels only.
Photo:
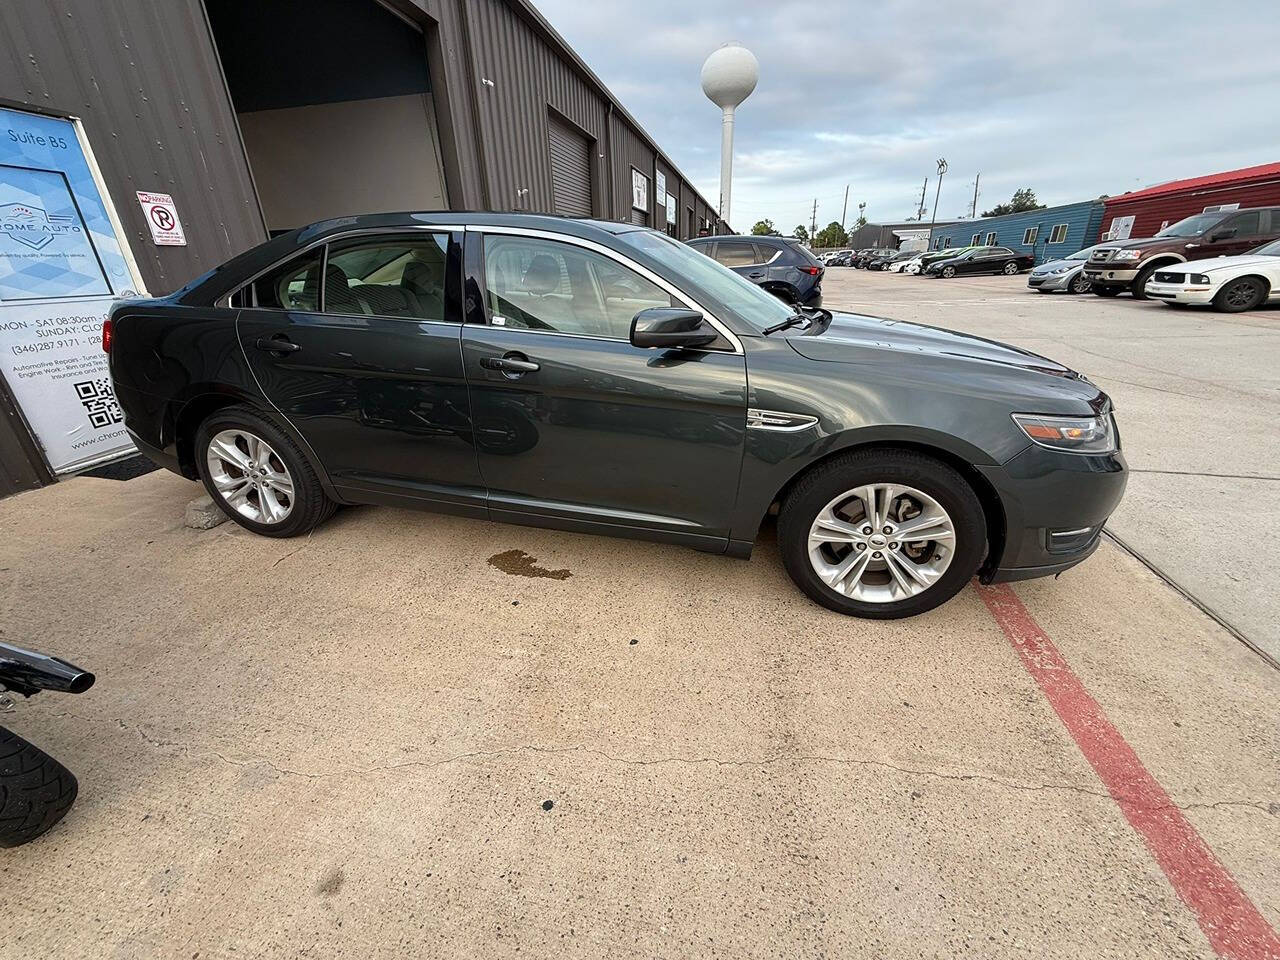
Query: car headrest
[
  {"x": 542, "y": 276},
  {"x": 420, "y": 277}
]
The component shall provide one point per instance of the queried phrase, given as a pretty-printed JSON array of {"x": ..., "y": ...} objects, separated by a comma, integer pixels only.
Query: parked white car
[
  {"x": 1230, "y": 284},
  {"x": 900, "y": 266}
]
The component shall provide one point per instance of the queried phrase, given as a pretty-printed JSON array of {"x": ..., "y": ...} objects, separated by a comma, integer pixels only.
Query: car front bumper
[
  {"x": 1197, "y": 293},
  {"x": 1055, "y": 506},
  {"x": 1048, "y": 281},
  {"x": 1108, "y": 276}
]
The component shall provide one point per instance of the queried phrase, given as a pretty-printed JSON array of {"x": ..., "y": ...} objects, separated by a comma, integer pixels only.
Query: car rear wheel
[
  {"x": 882, "y": 534},
  {"x": 258, "y": 476},
  {"x": 1010, "y": 268},
  {"x": 1242, "y": 294},
  {"x": 948, "y": 272},
  {"x": 1079, "y": 284}
]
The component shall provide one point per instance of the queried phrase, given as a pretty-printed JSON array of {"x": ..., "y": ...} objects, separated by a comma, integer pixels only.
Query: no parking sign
[{"x": 162, "y": 218}]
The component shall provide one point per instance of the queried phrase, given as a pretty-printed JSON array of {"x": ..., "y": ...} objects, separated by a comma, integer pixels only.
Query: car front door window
[{"x": 539, "y": 284}]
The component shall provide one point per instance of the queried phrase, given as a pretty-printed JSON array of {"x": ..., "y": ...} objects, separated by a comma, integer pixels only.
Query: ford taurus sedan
[{"x": 605, "y": 378}]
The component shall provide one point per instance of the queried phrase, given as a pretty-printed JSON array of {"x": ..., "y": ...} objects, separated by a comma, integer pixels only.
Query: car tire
[
  {"x": 1079, "y": 284},
  {"x": 948, "y": 272},
  {"x": 1010, "y": 268},
  {"x": 1139, "y": 286},
  {"x": 837, "y": 478},
  {"x": 36, "y": 791},
  {"x": 1105, "y": 291},
  {"x": 307, "y": 504},
  {"x": 1239, "y": 295}
]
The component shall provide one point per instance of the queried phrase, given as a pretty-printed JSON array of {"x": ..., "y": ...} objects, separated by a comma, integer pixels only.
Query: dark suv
[
  {"x": 1121, "y": 265},
  {"x": 781, "y": 266}
]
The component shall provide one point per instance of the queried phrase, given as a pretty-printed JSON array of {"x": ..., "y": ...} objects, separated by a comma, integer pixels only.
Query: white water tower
[{"x": 728, "y": 77}]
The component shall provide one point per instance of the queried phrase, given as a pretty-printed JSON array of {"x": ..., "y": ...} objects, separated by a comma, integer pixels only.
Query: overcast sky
[{"x": 1072, "y": 100}]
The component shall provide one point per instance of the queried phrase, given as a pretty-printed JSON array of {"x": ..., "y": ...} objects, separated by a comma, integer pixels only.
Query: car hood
[
  {"x": 1226, "y": 263},
  {"x": 1055, "y": 264},
  {"x": 1142, "y": 242},
  {"x": 849, "y": 337}
]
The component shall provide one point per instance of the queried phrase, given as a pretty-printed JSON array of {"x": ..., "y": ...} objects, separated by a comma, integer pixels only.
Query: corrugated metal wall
[
  {"x": 1082, "y": 221},
  {"x": 1150, "y": 212},
  {"x": 145, "y": 80}
]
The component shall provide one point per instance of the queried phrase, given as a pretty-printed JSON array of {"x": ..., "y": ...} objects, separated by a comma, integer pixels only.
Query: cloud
[{"x": 1071, "y": 99}]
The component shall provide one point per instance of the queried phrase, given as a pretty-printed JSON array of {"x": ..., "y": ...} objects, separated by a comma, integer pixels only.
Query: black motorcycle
[{"x": 36, "y": 791}]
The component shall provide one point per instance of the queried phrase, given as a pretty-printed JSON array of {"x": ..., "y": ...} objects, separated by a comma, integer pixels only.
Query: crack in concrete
[
  {"x": 1197, "y": 473},
  {"x": 253, "y": 760}
]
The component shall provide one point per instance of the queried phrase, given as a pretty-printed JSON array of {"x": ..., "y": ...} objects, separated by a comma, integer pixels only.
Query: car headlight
[
  {"x": 1070, "y": 434},
  {"x": 1199, "y": 278},
  {"x": 1127, "y": 255},
  {"x": 1059, "y": 269}
]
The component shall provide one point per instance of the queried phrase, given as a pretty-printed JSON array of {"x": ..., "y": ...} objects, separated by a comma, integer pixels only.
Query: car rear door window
[
  {"x": 562, "y": 288},
  {"x": 736, "y": 253},
  {"x": 292, "y": 286},
  {"x": 388, "y": 277}
]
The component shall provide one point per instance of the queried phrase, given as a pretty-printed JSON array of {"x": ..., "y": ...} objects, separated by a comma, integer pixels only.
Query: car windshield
[
  {"x": 1271, "y": 249},
  {"x": 1191, "y": 226},
  {"x": 1080, "y": 254},
  {"x": 753, "y": 304},
  {"x": 965, "y": 254}
]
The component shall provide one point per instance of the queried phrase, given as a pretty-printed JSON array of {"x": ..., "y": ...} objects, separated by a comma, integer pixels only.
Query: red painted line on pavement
[{"x": 1227, "y": 916}]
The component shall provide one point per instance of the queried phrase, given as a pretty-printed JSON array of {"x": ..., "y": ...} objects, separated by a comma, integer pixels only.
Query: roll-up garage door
[
  {"x": 639, "y": 217},
  {"x": 570, "y": 169}
]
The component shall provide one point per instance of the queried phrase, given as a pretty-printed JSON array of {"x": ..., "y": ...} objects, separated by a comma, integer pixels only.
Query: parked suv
[
  {"x": 1116, "y": 266},
  {"x": 778, "y": 264}
]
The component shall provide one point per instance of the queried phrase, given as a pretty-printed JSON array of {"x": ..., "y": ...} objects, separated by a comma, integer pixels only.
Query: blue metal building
[{"x": 1047, "y": 234}]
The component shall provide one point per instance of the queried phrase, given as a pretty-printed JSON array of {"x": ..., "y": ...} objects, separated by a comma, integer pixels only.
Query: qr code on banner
[{"x": 99, "y": 402}]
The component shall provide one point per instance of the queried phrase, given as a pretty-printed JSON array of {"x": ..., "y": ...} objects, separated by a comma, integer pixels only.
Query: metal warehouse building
[
  {"x": 1047, "y": 234},
  {"x": 143, "y": 142},
  {"x": 1144, "y": 213}
]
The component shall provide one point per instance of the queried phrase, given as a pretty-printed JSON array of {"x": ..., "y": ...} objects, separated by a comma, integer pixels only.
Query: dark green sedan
[{"x": 605, "y": 378}]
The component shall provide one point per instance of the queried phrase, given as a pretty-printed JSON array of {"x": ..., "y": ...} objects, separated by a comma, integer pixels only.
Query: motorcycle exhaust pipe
[{"x": 26, "y": 671}]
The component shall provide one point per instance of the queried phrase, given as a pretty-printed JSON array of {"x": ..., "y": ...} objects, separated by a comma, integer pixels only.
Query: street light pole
[{"x": 942, "y": 168}]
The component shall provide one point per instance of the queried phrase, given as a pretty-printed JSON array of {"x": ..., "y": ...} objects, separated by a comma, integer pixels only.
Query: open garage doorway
[{"x": 335, "y": 107}]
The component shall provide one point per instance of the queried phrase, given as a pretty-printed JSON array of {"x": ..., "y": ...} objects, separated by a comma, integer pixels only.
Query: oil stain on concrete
[{"x": 520, "y": 564}]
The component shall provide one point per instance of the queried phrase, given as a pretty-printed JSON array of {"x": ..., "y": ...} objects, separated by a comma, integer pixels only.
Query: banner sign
[
  {"x": 639, "y": 190},
  {"x": 61, "y": 265}
]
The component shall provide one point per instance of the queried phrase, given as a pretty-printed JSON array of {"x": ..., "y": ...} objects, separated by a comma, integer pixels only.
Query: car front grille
[
  {"x": 1102, "y": 256},
  {"x": 1162, "y": 277}
]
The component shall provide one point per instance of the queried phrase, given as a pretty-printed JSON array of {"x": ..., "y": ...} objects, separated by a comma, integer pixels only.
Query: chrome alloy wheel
[
  {"x": 881, "y": 542},
  {"x": 250, "y": 476}
]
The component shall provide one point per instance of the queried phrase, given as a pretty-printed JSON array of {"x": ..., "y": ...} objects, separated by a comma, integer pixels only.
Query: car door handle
[
  {"x": 276, "y": 345},
  {"x": 510, "y": 365},
  {"x": 757, "y": 275}
]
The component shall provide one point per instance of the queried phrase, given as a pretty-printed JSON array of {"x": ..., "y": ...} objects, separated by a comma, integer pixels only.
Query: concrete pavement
[
  {"x": 1198, "y": 401},
  {"x": 374, "y": 742}
]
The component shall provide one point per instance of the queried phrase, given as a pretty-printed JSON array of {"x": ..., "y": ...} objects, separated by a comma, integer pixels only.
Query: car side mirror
[
  {"x": 1223, "y": 234},
  {"x": 671, "y": 327}
]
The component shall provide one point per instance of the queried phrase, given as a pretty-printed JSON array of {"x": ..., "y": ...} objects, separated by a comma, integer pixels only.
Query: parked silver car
[{"x": 1065, "y": 274}]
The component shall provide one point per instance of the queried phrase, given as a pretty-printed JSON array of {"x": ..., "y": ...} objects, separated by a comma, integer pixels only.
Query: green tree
[
  {"x": 765, "y": 228},
  {"x": 832, "y": 235},
  {"x": 1023, "y": 199},
  {"x": 800, "y": 233}
]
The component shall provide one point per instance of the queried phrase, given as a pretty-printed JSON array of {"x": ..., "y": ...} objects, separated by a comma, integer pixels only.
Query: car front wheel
[
  {"x": 1238, "y": 295},
  {"x": 882, "y": 534},
  {"x": 1080, "y": 284},
  {"x": 948, "y": 272},
  {"x": 258, "y": 476}
]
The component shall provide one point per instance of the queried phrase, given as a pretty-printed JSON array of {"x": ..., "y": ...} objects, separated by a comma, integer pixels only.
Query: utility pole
[
  {"x": 973, "y": 211},
  {"x": 813, "y": 223},
  {"x": 924, "y": 189},
  {"x": 844, "y": 211},
  {"x": 942, "y": 168}
]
